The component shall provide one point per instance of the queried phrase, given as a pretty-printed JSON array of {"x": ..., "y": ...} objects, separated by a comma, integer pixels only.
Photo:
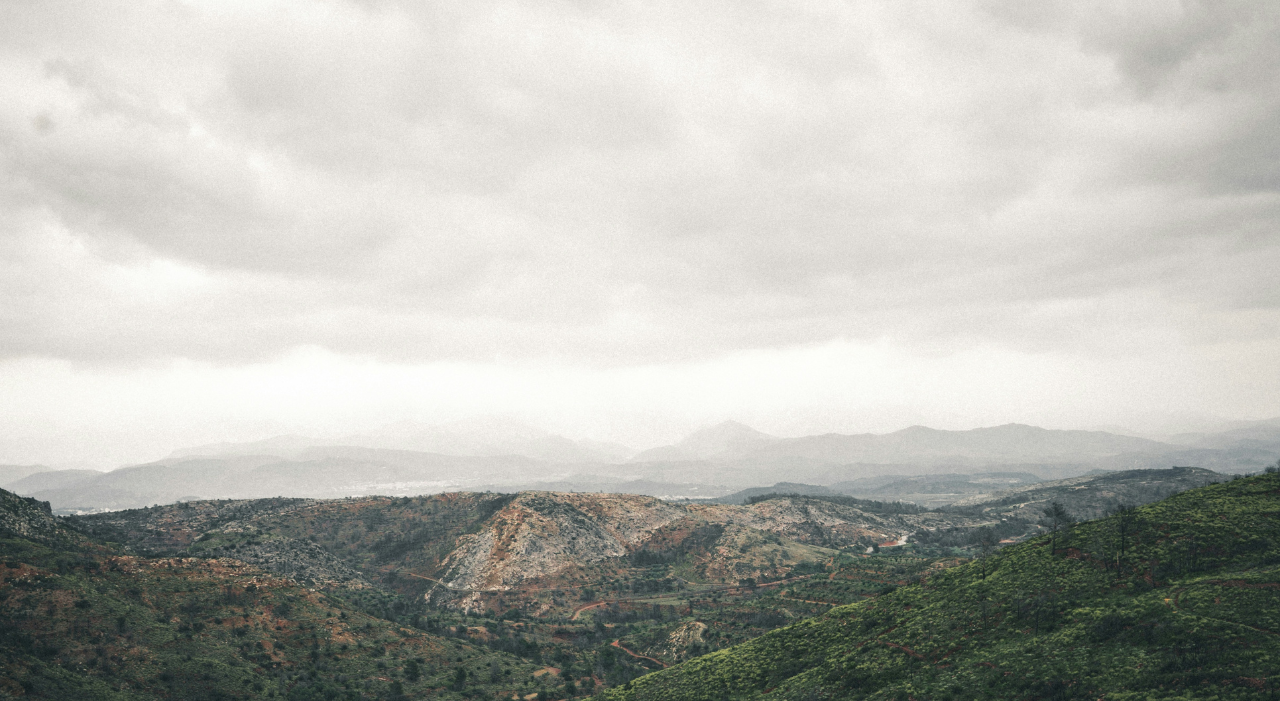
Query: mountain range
[{"x": 503, "y": 455}]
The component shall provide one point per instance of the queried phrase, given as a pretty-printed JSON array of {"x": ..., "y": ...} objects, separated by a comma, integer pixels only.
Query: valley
[{"x": 558, "y": 594}]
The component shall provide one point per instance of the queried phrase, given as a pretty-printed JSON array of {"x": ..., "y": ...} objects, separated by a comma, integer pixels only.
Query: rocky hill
[
  {"x": 604, "y": 587},
  {"x": 465, "y": 550},
  {"x": 471, "y": 550},
  {"x": 81, "y": 619},
  {"x": 30, "y": 519},
  {"x": 1172, "y": 600}
]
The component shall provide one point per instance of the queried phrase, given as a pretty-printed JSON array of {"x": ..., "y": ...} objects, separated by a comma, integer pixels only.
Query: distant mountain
[
  {"x": 502, "y": 455},
  {"x": 1007, "y": 444},
  {"x": 1261, "y": 434},
  {"x": 738, "y": 455},
  {"x": 279, "y": 446},
  {"x": 722, "y": 441},
  {"x": 321, "y": 472},
  {"x": 12, "y": 473},
  {"x": 50, "y": 479},
  {"x": 479, "y": 437},
  {"x": 786, "y": 488},
  {"x": 1011, "y": 443}
]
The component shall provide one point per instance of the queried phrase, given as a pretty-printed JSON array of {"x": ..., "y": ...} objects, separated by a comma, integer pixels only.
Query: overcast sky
[{"x": 225, "y": 220}]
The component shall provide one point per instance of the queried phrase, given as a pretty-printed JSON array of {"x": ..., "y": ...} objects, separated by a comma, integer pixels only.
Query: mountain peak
[
  {"x": 725, "y": 431},
  {"x": 715, "y": 441}
]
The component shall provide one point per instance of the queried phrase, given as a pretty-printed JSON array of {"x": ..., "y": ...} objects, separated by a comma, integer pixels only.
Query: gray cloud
[{"x": 620, "y": 184}]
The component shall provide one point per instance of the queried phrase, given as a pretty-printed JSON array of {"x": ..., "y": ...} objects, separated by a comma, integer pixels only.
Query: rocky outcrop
[
  {"x": 30, "y": 519},
  {"x": 541, "y": 533},
  {"x": 681, "y": 641}
]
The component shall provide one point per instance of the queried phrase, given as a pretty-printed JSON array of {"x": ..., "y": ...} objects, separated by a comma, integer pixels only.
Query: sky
[{"x": 623, "y": 221}]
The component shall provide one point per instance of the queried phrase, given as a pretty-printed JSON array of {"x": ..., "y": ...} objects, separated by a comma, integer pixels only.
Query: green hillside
[
  {"x": 81, "y": 619},
  {"x": 1176, "y": 599}
]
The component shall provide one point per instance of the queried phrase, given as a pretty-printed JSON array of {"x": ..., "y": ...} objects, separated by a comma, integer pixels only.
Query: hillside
[
  {"x": 486, "y": 548},
  {"x": 81, "y": 619},
  {"x": 491, "y": 551},
  {"x": 1089, "y": 496},
  {"x": 1176, "y": 599},
  {"x": 598, "y": 588},
  {"x": 29, "y": 519}
]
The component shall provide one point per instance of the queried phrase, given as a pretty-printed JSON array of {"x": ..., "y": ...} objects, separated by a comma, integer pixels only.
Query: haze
[{"x": 226, "y": 221}]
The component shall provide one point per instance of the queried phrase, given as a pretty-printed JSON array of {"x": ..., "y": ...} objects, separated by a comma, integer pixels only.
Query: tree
[
  {"x": 987, "y": 541},
  {"x": 1125, "y": 519},
  {"x": 1057, "y": 516}
]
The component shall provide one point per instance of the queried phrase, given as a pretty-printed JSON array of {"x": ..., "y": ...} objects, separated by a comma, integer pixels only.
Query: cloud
[{"x": 617, "y": 185}]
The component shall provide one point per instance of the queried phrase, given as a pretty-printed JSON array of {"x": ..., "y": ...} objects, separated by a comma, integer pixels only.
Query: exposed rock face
[
  {"x": 540, "y": 533},
  {"x": 28, "y": 518},
  {"x": 682, "y": 638}
]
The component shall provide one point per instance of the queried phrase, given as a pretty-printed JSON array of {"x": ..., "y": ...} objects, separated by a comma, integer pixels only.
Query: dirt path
[
  {"x": 586, "y": 607},
  {"x": 903, "y": 648},
  {"x": 635, "y": 597},
  {"x": 618, "y": 644},
  {"x": 442, "y": 584},
  {"x": 807, "y": 601},
  {"x": 530, "y": 590}
]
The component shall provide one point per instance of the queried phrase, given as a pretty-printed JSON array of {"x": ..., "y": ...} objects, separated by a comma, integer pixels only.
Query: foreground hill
[
  {"x": 1176, "y": 599},
  {"x": 80, "y": 619}
]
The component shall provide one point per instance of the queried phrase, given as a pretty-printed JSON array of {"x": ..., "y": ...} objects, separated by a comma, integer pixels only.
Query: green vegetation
[
  {"x": 341, "y": 599},
  {"x": 1177, "y": 599},
  {"x": 82, "y": 620}
]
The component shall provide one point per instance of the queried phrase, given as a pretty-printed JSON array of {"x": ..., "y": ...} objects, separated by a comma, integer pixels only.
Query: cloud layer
[{"x": 620, "y": 185}]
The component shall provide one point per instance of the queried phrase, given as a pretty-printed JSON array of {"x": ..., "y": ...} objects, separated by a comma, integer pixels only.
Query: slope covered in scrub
[
  {"x": 82, "y": 619},
  {"x": 1176, "y": 599}
]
